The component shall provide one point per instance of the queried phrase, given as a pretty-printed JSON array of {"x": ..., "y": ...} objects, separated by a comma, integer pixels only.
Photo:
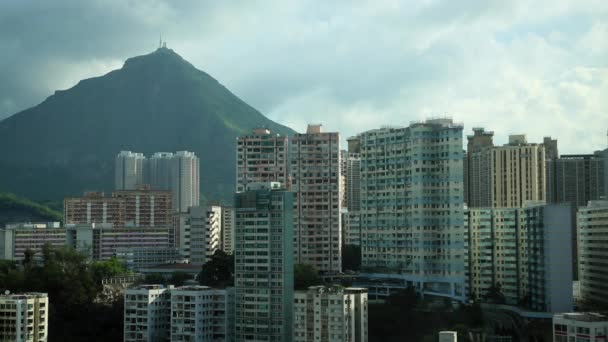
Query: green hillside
[
  {"x": 17, "y": 209},
  {"x": 156, "y": 102}
]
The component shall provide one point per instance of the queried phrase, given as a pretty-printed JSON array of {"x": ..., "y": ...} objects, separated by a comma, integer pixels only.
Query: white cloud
[{"x": 511, "y": 66}]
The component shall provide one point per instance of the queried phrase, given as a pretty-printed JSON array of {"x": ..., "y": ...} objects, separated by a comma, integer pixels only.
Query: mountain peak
[{"x": 156, "y": 102}]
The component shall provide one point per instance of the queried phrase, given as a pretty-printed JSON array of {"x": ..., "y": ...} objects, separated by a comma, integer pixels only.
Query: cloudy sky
[{"x": 517, "y": 66}]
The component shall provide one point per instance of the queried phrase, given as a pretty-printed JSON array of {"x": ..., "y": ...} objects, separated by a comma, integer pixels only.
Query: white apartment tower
[
  {"x": 24, "y": 317},
  {"x": 261, "y": 157},
  {"x": 129, "y": 170},
  {"x": 332, "y": 314},
  {"x": 199, "y": 233},
  {"x": 177, "y": 172},
  {"x": 315, "y": 176},
  {"x": 202, "y": 314},
  {"x": 227, "y": 229},
  {"x": 188, "y": 313},
  {"x": 412, "y": 205},
  {"x": 147, "y": 308}
]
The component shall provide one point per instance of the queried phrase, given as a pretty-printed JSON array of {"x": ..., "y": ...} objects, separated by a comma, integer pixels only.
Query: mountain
[
  {"x": 17, "y": 209},
  {"x": 155, "y": 103}
]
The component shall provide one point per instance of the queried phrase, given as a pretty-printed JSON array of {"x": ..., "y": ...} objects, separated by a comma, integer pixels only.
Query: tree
[
  {"x": 306, "y": 275},
  {"x": 179, "y": 278},
  {"x": 107, "y": 269},
  {"x": 154, "y": 278},
  {"x": 218, "y": 271},
  {"x": 351, "y": 257},
  {"x": 495, "y": 295}
]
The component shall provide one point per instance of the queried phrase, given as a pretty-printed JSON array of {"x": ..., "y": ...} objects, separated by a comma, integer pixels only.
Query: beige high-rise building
[
  {"x": 24, "y": 317},
  {"x": 330, "y": 314},
  {"x": 261, "y": 157},
  {"x": 315, "y": 176},
  {"x": 504, "y": 176}
]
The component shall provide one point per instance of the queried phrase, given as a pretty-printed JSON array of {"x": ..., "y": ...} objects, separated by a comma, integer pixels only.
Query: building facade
[
  {"x": 315, "y": 176},
  {"x": 146, "y": 315},
  {"x": 104, "y": 241},
  {"x": 15, "y": 239},
  {"x": 353, "y": 182},
  {"x": 332, "y": 314},
  {"x": 24, "y": 317},
  {"x": 351, "y": 228},
  {"x": 142, "y": 207},
  {"x": 593, "y": 252},
  {"x": 263, "y": 256},
  {"x": 580, "y": 326},
  {"x": 521, "y": 255},
  {"x": 187, "y": 313},
  {"x": 176, "y": 172},
  {"x": 202, "y": 314},
  {"x": 261, "y": 157},
  {"x": 412, "y": 205},
  {"x": 504, "y": 176},
  {"x": 227, "y": 229},
  {"x": 128, "y": 170},
  {"x": 576, "y": 179}
]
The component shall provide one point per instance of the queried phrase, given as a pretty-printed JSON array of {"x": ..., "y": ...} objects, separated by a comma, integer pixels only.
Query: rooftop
[{"x": 584, "y": 316}]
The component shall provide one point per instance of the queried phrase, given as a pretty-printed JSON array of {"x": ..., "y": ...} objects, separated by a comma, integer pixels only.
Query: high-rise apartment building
[
  {"x": 523, "y": 253},
  {"x": 227, "y": 229},
  {"x": 199, "y": 232},
  {"x": 177, "y": 172},
  {"x": 504, "y": 176},
  {"x": 202, "y": 314},
  {"x": 158, "y": 170},
  {"x": 128, "y": 170},
  {"x": 412, "y": 205},
  {"x": 261, "y": 157},
  {"x": 263, "y": 250},
  {"x": 351, "y": 228},
  {"x": 138, "y": 208},
  {"x": 315, "y": 176},
  {"x": 353, "y": 182},
  {"x": 147, "y": 308},
  {"x": 188, "y": 313},
  {"x": 15, "y": 239},
  {"x": 332, "y": 314},
  {"x": 593, "y": 252},
  {"x": 343, "y": 170},
  {"x": 185, "y": 183},
  {"x": 24, "y": 317},
  {"x": 576, "y": 180}
]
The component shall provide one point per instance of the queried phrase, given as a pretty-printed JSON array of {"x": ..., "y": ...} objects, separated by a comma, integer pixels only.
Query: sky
[{"x": 535, "y": 67}]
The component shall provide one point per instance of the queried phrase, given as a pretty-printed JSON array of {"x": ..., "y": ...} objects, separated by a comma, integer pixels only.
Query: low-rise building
[
  {"x": 137, "y": 258},
  {"x": 15, "y": 239},
  {"x": 103, "y": 241},
  {"x": 580, "y": 327},
  {"x": 24, "y": 317},
  {"x": 330, "y": 314}
]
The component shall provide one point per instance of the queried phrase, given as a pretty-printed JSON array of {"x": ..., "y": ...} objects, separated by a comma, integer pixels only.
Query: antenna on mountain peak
[{"x": 160, "y": 40}]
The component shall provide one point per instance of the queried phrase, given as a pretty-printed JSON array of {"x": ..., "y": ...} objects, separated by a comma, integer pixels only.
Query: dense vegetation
[
  {"x": 72, "y": 283},
  {"x": 156, "y": 102},
  {"x": 18, "y": 209}
]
